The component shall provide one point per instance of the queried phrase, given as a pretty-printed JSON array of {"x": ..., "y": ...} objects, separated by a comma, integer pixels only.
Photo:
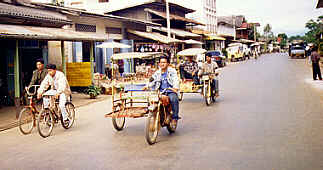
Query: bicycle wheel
[
  {"x": 70, "y": 109},
  {"x": 45, "y": 123},
  {"x": 152, "y": 127},
  {"x": 26, "y": 120},
  {"x": 118, "y": 123}
]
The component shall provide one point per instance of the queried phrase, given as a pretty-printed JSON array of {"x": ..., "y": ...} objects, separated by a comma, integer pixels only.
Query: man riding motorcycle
[
  {"x": 58, "y": 82},
  {"x": 166, "y": 78},
  {"x": 210, "y": 67}
]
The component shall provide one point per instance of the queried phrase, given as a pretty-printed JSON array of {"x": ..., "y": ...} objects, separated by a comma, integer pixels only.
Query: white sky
[
  {"x": 285, "y": 16},
  {"x": 288, "y": 16}
]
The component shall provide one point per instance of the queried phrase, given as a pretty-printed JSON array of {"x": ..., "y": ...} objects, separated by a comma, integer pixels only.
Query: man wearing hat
[{"x": 57, "y": 80}]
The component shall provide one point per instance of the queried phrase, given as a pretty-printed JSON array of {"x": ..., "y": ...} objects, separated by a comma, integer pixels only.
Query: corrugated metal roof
[
  {"x": 177, "y": 32},
  {"x": 79, "y": 12},
  {"x": 155, "y": 36},
  {"x": 46, "y": 33},
  {"x": 31, "y": 13},
  {"x": 173, "y": 17}
]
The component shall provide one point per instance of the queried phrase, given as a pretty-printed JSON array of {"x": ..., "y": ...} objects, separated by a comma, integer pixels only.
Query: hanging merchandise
[{"x": 142, "y": 49}]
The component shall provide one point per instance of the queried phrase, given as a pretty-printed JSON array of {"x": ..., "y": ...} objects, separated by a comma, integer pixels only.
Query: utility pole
[
  {"x": 168, "y": 19},
  {"x": 255, "y": 32}
]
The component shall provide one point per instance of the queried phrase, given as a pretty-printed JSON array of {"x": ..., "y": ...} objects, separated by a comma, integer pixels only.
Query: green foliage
[
  {"x": 284, "y": 39},
  {"x": 93, "y": 90},
  {"x": 315, "y": 28}
]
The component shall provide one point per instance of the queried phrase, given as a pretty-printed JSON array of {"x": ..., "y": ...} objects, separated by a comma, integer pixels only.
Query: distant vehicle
[
  {"x": 297, "y": 51},
  {"x": 218, "y": 57},
  {"x": 235, "y": 51}
]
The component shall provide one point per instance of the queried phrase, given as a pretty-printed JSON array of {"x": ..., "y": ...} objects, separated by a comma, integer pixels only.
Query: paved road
[{"x": 267, "y": 117}]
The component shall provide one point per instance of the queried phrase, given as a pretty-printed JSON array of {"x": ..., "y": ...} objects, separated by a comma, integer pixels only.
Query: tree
[
  {"x": 284, "y": 39},
  {"x": 315, "y": 29},
  {"x": 267, "y": 31}
]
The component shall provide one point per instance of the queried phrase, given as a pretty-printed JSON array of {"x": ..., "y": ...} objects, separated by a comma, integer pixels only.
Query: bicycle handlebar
[{"x": 35, "y": 90}]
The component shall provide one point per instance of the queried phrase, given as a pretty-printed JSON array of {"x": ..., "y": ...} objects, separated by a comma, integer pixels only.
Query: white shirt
[{"x": 58, "y": 82}]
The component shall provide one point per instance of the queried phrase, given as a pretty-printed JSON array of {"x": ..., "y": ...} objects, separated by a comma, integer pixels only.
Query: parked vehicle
[
  {"x": 297, "y": 51},
  {"x": 235, "y": 52},
  {"x": 218, "y": 57}
]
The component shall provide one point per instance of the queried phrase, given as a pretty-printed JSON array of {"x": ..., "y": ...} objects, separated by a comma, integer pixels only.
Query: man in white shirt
[{"x": 57, "y": 80}]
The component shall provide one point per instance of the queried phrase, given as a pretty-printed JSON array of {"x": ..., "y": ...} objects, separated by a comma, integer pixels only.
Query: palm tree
[{"x": 267, "y": 31}]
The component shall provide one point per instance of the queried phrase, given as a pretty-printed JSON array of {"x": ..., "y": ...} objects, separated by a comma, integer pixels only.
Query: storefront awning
[
  {"x": 46, "y": 33},
  {"x": 131, "y": 55},
  {"x": 193, "y": 42},
  {"x": 173, "y": 17},
  {"x": 177, "y": 32},
  {"x": 214, "y": 37},
  {"x": 155, "y": 36}
]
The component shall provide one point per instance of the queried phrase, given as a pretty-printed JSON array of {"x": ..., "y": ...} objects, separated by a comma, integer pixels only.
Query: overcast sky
[{"x": 287, "y": 16}]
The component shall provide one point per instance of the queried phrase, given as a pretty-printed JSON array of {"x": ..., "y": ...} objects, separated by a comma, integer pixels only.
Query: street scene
[{"x": 160, "y": 84}]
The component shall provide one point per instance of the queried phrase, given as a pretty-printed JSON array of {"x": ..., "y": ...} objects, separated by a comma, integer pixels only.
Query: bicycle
[
  {"x": 51, "y": 114},
  {"x": 27, "y": 116}
]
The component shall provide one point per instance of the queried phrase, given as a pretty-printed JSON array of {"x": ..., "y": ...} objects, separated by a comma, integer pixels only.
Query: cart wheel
[
  {"x": 172, "y": 127},
  {"x": 180, "y": 96},
  {"x": 118, "y": 123},
  {"x": 152, "y": 127}
]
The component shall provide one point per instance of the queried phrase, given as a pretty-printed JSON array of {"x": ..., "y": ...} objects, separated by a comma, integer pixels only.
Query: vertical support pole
[
  {"x": 255, "y": 32},
  {"x": 92, "y": 61},
  {"x": 17, "y": 75},
  {"x": 63, "y": 57},
  {"x": 168, "y": 19}
]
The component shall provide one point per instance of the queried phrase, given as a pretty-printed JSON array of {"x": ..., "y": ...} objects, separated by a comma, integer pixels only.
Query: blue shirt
[{"x": 164, "y": 83}]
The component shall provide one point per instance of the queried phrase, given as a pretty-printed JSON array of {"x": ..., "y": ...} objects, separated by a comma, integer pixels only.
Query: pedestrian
[{"x": 315, "y": 57}]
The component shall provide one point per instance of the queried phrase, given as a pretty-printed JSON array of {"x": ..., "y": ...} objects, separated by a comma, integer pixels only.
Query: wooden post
[
  {"x": 92, "y": 61},
  {"x": 17, "y": 76},
  {"x": 63, "y": 57}
]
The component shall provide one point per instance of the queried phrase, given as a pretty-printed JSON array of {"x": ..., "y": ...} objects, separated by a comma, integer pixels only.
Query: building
[
  {"x": 206, "y": 14},
  {"x": 155, "y": 38},
  {"x": 25, "y": 31}
]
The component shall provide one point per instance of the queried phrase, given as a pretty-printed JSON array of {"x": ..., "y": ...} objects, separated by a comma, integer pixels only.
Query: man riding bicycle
[
  {"x": 210, "y": 67},
  {"x": 166, "y": 78},
  {"x": 58, "y": 82},
  {"x": 39, "y": 74}
]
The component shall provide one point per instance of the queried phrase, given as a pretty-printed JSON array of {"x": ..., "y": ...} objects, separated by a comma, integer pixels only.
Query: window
[{"x": 85, "y": 28}]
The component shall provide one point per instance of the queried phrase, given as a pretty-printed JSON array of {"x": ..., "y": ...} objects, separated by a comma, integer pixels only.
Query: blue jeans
[{"x": 175, "y": 104}]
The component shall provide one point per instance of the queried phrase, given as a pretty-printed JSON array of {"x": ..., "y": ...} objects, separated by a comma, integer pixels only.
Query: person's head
[
  {"x": 51, "y": 69},
  {"x": 314, "y": 48},
  {"x": 164, "y": 62},
  {"x": 40, "y": 64},
  {"x": 208, "y": 58},
  {"x": 189, "y": 58}
]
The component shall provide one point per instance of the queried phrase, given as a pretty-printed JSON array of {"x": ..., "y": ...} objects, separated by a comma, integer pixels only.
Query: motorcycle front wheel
[{"x": 152, "y": 127}]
